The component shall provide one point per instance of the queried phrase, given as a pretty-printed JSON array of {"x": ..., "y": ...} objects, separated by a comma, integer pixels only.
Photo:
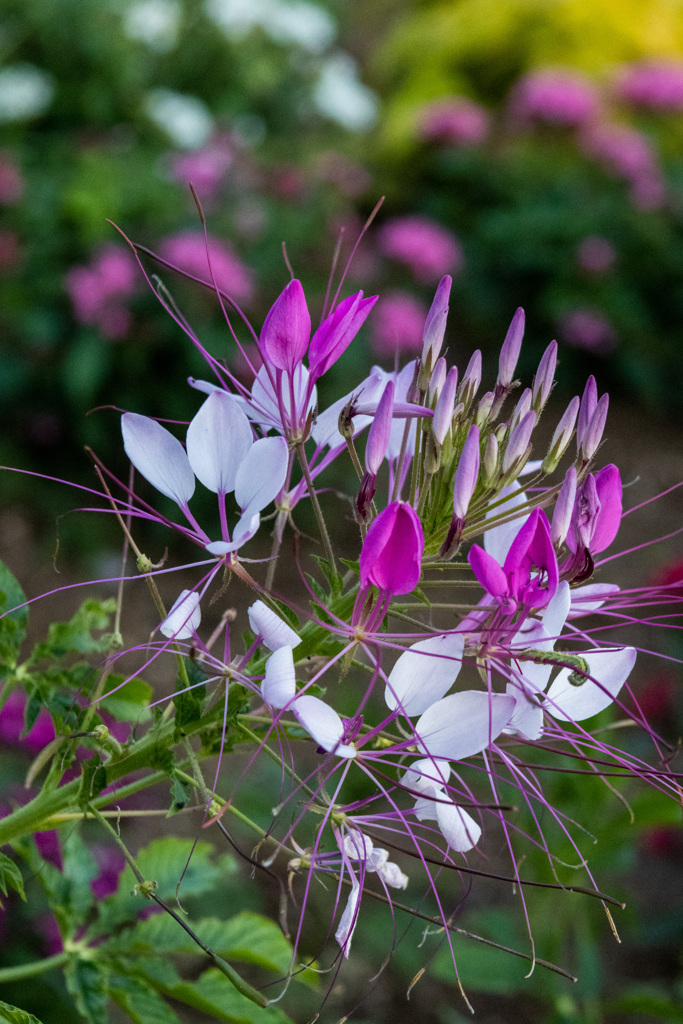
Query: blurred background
[{"x": 533, "y": 150}]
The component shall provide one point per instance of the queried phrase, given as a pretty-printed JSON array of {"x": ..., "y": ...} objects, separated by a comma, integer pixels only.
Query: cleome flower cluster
[{"x": 457, "y": 619}]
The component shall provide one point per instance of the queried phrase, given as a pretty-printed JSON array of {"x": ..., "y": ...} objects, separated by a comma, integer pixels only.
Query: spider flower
[
  {"x": 529, "y": 575},
  {"x": 391, "y": 557}
]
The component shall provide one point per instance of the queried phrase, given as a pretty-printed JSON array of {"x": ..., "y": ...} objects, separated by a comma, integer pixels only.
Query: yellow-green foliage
[{"x": 477, "y": 48}]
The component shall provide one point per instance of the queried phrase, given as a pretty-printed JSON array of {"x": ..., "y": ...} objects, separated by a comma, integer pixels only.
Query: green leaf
[
  {"x": 86, "y": 980},
  {"x": 80, "y": 868},
  {"x": 164, "y": 862},
  {"x": 140, "y": 1001},
  {"x": 93, "y": 779},
  {"x": 129, "y": 703},
  {"x": 76, "y": 636},
  {"x": 332, "y": 576},
  {"x": 646, "y": 1004},
  {"x": 181, "y": 795},
  {"x": 213, "y": 994},
  {"x": 188, "y": 706},
  {"x": 13, "y": 1015},
  {"x": 14, "y": 619},
  {"x": 10, "y": 877},
  {"x": 247, "y": 937}
]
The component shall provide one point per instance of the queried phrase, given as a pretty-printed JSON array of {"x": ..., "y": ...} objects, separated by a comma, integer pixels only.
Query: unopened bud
[
  {"x": 562, "y": 436},
  {"x": 345, "y": 423},
  {"x": 413, "y": 392},
  {"x": 509, "y": 353},
  {"x": 589, "y": 401},
  {"x": 544, "y": 379},
  {"x": 466, "y": 474},
  {"x": 380, "y": 429},
  {"x": 484, "y": 406},
  {"x": 435, "y": 324},
  {"x": 436, "y": 381},
  {"x": 471, "y": 381},
  {"x": 592, "y": 436},
  {"x": 521, "y": 409},
  {"x": 518, "y": 442},
  {"x": 490, "y": 462},
  {"x": 432, "y": 454},
  {"x": 443, "y": 413},
  {"x": 564, "y": 507}
]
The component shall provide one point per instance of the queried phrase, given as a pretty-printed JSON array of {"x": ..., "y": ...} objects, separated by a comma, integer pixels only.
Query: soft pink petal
[
  {"x": 463, "y": 724},
  {"x": 322, "y": 723},
  {"x": 261, "y": 474},
  {"x": 287, "y": 328}
]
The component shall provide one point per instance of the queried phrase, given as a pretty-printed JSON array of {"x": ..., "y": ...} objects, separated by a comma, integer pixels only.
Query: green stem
[
  {"x": 10, "y": 974},
  {"x": 325, "y": 537}
]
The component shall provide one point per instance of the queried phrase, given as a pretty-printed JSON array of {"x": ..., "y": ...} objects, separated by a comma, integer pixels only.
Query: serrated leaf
[
  {"x": 10, "y": 877},
  {"x": 93, "y": 779},
  {"x": 140, "y": 1001},
  {"x": 213, "y": 994},
  {"x": 13, "y": 1015},
  {"x": 80, "y": 869},
  {"x": 14, "y": 619},
  {"x": 86, "y": 980},
  {"x": 188, "y": 705},
  {"x": 181, "y": 795},
  {"x": 333, "y": 577}
]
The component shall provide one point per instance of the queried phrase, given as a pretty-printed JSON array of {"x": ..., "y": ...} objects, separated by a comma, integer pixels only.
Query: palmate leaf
[
  {"x": 76, "y": 635},
  {"x": 13, "y": 1015},
  {"x": 213, "y": 994}
]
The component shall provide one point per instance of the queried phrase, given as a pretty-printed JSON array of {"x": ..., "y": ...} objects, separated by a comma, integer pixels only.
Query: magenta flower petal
[
  {"x": 336, "y": 333},
  {"x": 158, "y": 456},
  {"x": 463, "y": 724},
  {"x": 218, "y": 438},
  {"x": 488, "y": 572},
  {"x": 287, "y": 329},
  {"x": 608, "y": 487},
  {"x": 322, "y": 723},
  {"x": 424, "y": 673},
  {"x": 391, "y": 557}
]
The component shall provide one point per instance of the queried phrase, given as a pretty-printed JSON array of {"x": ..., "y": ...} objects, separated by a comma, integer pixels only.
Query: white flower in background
[
  {"x": 185, "y": 119},
  {"x": 341, "y": 96},
  {"x": 284, "y": 21},
  {"x": 154, "y": 23},
  {"x": 25, "y": 92},
  {"x": 184, "y": 617}
]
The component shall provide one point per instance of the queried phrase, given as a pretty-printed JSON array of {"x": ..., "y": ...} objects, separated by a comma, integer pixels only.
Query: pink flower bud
[
  {"x": 443, "y": 413},
  {"x": 564, "y": 506},
  {"x": 435, "y": 325},
  {"x": 391, "y": 557},
  {"x": 521, "y": 409},
  {"x": 287, "y": 329},
  {"x": 589, "y": 401},
  {"x": 380, "y": 429},
  {"x": 519, "y": 440},
  {"x": 562, "y": 436},
  {"x": 545, "y": 375},
  {"x": 466, "y": 474},
  {"x": 336, "y": 333},
  {"x": 438, "y": 377},
  {"x": 471, "y": 380},
  {"x": 509, "y": 353},
  {"x": 589, "y": 441}
]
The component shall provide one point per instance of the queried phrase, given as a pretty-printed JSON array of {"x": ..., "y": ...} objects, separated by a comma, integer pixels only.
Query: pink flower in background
[
  {"x": 204, "y": 168},
  {"x": 349, "y": 176},
  {"x": 560, "y": 97},
  {"x": 596, "y": 255},
  {"x": 456, "y": 121},
  {"x": 628, "y": 154},
  {"x": 99, "y": 290},
  {"x": 590, "y": 330},
  {"x": 654, "y": 84},
  {"x": 188, "y": 250},
  {"x": 429, "y": 250},
  {"x": 398, "y": 324},
  {"x": 11, "y": 181},
  {"x": 12, "y": 724}
]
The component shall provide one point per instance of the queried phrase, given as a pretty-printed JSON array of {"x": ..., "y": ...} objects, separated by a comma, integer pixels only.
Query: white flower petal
[
  {"x": 158, "y": 456},
  {"x": 424, "y": 673},
  {"x": 279, "y": 684},
  {"x": 425, "y": 774},
  {"x": 459, "y": 828},
  {"x": 357, "y": 846},
  {"x": 344, "y": 932},
  {"x": 555, "y": 615},
  {"x": 245, "y": 529},
  {"x": 392, "y": 875},
  {"x": 322, "y": 723},
  {"x": 273, "y": 630},
  {"x": 218, "y": 438},
  {"x": 261, "y": 474},
  {"x": 591, "y": 597},
  {"x": 610, "y": 669},
  {"x": 527, "y": 719},
  {"x": 463, "y": 724},
  {"x": 184, "y": 617}
]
